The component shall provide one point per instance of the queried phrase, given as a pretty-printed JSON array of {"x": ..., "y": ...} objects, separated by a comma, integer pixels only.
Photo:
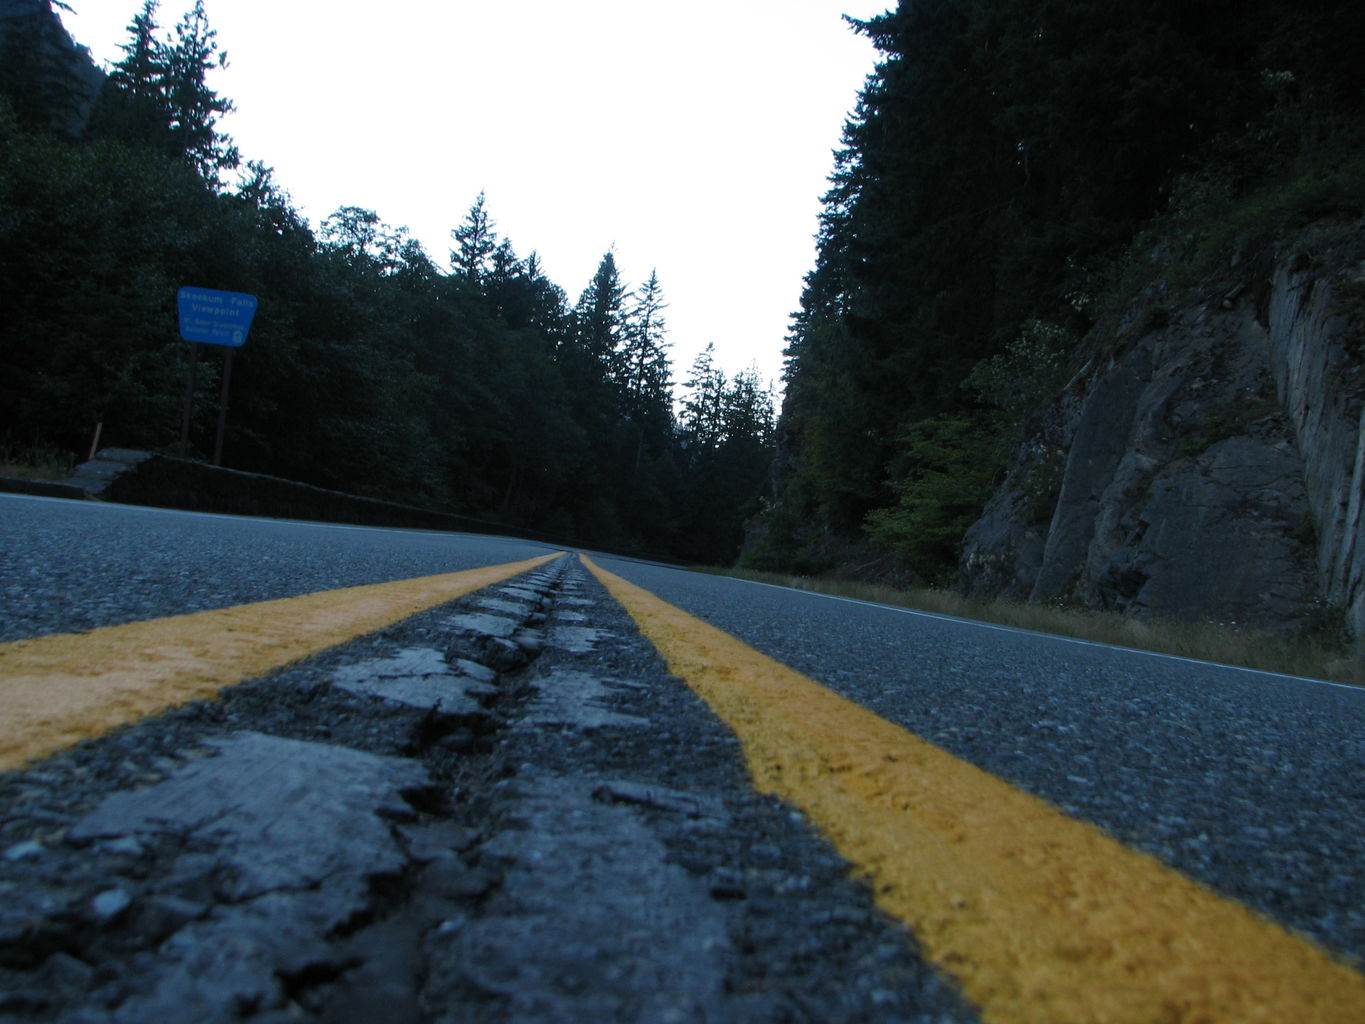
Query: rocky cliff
[
  {"x": 1207, "y": 461},
  {"x": 54, "y": 70}
]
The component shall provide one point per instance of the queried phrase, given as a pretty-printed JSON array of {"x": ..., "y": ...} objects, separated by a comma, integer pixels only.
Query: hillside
[{"x": 1082, "y": 328}]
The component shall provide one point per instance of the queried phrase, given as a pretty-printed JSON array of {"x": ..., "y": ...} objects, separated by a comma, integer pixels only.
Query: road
[
  {"x": 1252, "y": 783},
  {"x": 67, "y": 565},
  {"x": 1248, "y": 785}
]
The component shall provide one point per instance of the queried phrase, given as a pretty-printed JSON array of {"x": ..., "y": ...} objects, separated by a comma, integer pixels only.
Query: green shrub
[
  {"x": 944, "y": 475},
  {"x": 1031, "y": 370}
]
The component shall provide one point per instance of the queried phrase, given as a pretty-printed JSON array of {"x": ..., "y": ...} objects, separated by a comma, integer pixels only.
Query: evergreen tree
[
  {"x": 158, "y": 95},
  {"x": 145, "y": 66},
  {"x": 643, "y": 370},
  {"x": 600, "y": 317},
  {"x": 504, "y": 284},
  {"x": 703, "y": 412},
  {"x": 747, "y": 410},
  {"x": 194, "y": 108},
  {"x": 945, "y": 472},
  {"x": 727, "y": 430},
  {"x": 534, "y": 301},
  {"x": 476, "y": 243},
  {"x": 132, "y": 105}
]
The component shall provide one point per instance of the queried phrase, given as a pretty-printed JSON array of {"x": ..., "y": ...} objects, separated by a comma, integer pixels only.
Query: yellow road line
[
  {"x": 58, "y": 690},
  {"x": 1040, "y": 917}
]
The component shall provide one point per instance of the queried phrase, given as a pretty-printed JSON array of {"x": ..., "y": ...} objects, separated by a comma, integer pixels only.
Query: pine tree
[
  {"x": 158, "y": 95},
  {"x": 524, "y": 298},
  {"x": 545, "y": 307},
  {"x": 504, "y": 282},
  {"x": 193, "y": 107},
  {"x": 643, "y": 370},
  {"x": 703, "y": 416},
  {"x": 476, "y": 243},
  {"x": 600, "y": 318},
  {"x": 747, "y": 410},
  {"x": 132, "y": 105},
  {"x": 145, "y": 64}
]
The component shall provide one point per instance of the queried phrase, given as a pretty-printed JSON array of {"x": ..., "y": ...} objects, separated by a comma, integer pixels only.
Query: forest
[
  {"x": 1012, "y": 168},
  {"x": 479, "y": 390}
]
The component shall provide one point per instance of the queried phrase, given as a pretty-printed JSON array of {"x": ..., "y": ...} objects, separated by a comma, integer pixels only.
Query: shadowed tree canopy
[{"x": 158, "y": 95}]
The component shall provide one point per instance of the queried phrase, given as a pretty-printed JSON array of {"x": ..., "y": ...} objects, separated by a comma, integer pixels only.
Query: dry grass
[{"x": 1204, "y": 641}]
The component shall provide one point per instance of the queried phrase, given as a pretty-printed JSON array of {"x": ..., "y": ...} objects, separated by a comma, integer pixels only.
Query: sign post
[
  {"x": 222, "y": 410},
  {"x": 212, "y": 317},
  {"x": 189, "y": 402}
]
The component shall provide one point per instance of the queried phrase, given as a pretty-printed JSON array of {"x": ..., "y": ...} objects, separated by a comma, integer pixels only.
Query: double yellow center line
[
  {"x": 1039, "y": 917},
  {"x": 59, "y": 690}
]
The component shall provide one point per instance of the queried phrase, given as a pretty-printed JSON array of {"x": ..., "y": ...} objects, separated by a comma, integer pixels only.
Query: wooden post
[
  {"x": 222, "y": 410},
  {"x": 189, "y": 402}
]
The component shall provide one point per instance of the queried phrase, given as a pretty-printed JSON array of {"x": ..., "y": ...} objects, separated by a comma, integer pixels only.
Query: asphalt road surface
[
  {"x": 67, "y": 565},
  {"x": 1252, "y": 783},
  {"x": 507, "y": 807}
]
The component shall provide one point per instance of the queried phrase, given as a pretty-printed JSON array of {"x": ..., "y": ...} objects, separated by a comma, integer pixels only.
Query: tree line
[
  {"x": 991, "y": 191},
  {"x": 480, "y": 389}
]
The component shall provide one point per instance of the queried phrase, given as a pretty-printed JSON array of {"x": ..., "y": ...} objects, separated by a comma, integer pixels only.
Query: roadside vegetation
[
  {"x": 1322, "y": 653},
  {"x": 1012, "y": 176},
  {"x": 464, "y": 381},
  {"x": 35, "y": 463}
]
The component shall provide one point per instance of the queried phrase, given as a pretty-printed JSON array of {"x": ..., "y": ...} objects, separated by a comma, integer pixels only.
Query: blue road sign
[{"x": 211, "y": 317}]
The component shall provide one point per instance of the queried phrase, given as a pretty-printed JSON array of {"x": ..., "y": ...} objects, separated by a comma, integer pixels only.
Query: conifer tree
[
  {"x": 144, "y": 67},
  {"x": 194, "y": 107},
  {"x": 476, "y": 243},
  {"x": 159, "y": 95},
  {"x": 703, "y": 416},
  {"x": 642, "y": 366},
  {"x": 504, "y": 283},
  {"x": 132, "y": 105},
  {"x": 600, "y": 318},
  {"x": 544, "y": 305},
  {"x": 747, "y": 414}
]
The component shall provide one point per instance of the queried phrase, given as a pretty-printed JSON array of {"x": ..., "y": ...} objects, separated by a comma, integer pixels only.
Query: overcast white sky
[{"x": 695, "y": 137}]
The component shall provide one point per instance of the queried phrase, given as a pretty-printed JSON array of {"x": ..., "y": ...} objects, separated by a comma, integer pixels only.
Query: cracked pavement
[{"x": 503, "y": 809}]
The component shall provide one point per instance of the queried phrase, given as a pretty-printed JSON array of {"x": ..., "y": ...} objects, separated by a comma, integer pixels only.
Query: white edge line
[{"x": 1049, "y": 636}]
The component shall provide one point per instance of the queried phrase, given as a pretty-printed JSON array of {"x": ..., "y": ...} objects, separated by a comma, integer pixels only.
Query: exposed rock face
[
  {"x": 1320, "y": 382},
  {"x": 1210, "y": 467},
  {"x": 32, "y": 34}
]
